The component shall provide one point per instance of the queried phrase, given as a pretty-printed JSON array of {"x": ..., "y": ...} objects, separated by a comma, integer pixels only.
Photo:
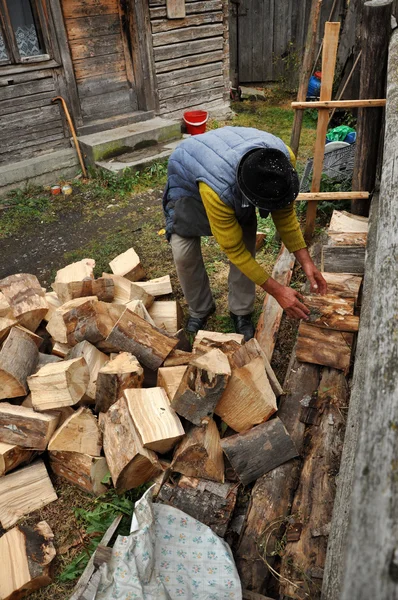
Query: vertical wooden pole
[
  {"x": 305, "y": 74},
  {"x": 330, "y": 43},
  {"x": 375, "y": 36}
]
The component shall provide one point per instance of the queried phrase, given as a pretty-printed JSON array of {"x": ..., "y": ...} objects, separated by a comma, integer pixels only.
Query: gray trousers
[{"x": 194, "y": 280}]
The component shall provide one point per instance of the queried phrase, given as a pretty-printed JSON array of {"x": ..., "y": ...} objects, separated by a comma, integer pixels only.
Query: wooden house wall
[
  {"x": 29, "y": 123},
  {"x": 101, "y": 59},
  {"x": 191, "y": 55}
]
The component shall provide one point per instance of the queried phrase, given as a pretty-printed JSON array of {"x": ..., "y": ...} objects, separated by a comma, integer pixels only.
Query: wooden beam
[
  {"x": 340, "y": 104},
  {"x": 324, "y": 347},
  {"x": 338, "y": 196},
  {"x": 329, "y": 55}
]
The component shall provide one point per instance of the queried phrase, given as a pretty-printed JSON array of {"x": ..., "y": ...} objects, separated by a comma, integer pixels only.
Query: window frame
[{"x": 7, "y": 32}]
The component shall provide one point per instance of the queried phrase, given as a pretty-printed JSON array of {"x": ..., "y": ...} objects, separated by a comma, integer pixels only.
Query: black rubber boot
[
  {"x": 194, "y": 324},
  {"x": 244, "y": 325}
]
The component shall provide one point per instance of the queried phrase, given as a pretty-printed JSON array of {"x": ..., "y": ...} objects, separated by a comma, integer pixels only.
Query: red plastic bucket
[{"x": 196, "y": 120}]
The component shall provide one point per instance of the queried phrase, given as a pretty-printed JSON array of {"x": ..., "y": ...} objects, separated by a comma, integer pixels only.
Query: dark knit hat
[{"x": 267, "y": 179}]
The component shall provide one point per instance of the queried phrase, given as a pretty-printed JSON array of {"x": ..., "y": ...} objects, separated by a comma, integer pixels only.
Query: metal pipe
[{"x": 73, "y": 132}]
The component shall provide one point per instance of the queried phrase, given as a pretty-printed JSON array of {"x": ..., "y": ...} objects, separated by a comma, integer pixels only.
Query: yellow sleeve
[
  {"x": 229, "y": 235},
  {"x": 286, "y": 222}
]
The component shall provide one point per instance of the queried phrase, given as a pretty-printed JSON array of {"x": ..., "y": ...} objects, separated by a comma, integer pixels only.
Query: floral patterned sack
[{"x": 169, "y": 555}]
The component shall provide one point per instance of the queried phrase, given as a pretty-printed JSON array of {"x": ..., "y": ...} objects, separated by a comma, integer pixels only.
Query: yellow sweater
[{"x": 229, "y": 235}]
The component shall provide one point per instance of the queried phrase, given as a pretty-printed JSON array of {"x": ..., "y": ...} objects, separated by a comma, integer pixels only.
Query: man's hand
[
  {"x": 318, "y": 284},
  {"x": 288, "y": 299}
]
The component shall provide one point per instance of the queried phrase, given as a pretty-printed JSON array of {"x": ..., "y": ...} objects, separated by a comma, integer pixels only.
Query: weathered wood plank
[
  {"x": 27, "y": 88},
  {"x": 191, "y": 21},
  {"x": 191, "y": 50},
  {"x": 343, "y": 259},
  {"x": 190, "y": 7},
  {"x": 97, "y": 46},
  {"x": 98, "y": 66},
  {"x": 193, "y": 86},
  {"x": 190, "y": 61},
  {"x": 324, "y": 347},
  {"x": 102, "y": 25},
  {"x": 176, "y": 78},
  {"x": 192, "y": 99},
  {"x": 73, "y": 9},
  {"x": 187, "y": 34}
]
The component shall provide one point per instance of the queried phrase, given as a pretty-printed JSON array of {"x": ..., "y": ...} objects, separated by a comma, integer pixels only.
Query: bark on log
[
  {"x": 202, "y": 386},
  {"x": 200, "y": 454},
  {"x": 133, "y": 334},
  {"x": 18, "y": 358},
  {"x": 103, "y": 288},
  {"x": 217, "y": 337},
  {"x": 26, "y": 298},
  {"x": 79, "y": 433},
  {"x": 59, "y": 384},
  {"x": 177, "y": 358},
  {"x": 25, "y": 427},
  {"x": 92, "y": 321},
  {"x": 82, "y": 470},
  {"x": 259, "y": 450},
  {"x": 23, "y": 492},
  {"x": 6, "y": 326},
  {"x": 208, "y": 502},
  {"x": 129, "y": 462},
  {"x": 26, "y": 555},
  {"x": 344, "y": 259},
  {"x": 156, "y": 423},
  {"x": 121, "y": 373},
  {"x": 12, "y": 456},
  {"x": 332, "y": 312},
  {"x": 56, "y": 326}
]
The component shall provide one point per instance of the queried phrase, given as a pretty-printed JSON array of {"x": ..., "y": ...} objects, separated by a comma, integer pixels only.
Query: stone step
[
  {"x": 102, "y": 146},
  {"x": 117, "y": 121},
  {"x": 138, "y": 159}
]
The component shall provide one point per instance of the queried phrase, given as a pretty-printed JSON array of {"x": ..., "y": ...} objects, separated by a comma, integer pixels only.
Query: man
[{"x": 215, "y": 183}]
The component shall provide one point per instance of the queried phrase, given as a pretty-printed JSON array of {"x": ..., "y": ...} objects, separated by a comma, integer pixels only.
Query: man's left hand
[{"x": 318, "y": 284}]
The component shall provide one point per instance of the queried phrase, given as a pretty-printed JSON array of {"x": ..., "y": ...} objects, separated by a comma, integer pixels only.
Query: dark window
[{"x": 21, "y": 32}]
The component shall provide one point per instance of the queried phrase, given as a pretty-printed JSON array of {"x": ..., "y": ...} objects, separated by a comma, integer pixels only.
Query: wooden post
[
  {"x": 305, "y": 73},
  {"x": 331, "y": 41},
  {"x": 375, "y": 35}
]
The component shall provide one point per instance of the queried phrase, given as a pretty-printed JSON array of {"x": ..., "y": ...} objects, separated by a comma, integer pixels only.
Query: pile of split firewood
[{"x": 99, "y": 374}]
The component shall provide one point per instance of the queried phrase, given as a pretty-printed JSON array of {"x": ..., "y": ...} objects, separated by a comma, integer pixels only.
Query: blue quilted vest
[{"x": 213, "y": 158}]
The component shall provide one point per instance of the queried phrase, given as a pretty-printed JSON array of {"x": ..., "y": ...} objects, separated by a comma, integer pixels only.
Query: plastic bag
[{"x": 338, "y": 134}]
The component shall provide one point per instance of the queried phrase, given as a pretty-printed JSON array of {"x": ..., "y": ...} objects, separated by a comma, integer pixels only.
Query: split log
[
  {"x": 344, "y": 259},
  {"x": 133, "y": 334},
  {"x": 178, "y": 358},
  {"x": 199, "y": 454},
  {"x": 38, "y": 340},
  {"x": 26, "y": 554},
  {"x": 24, "y": 427},
  {"x": 128, "y": 265},
  {"x": 82, "y": 470},
  {"x": 53, "y": 302},
  {"x": 60, "y": 350},
  {"x": 95, "y": 360},
  {"x": 259, "y": 450},
  {"x": 347, "y": 239},
  {"x": 250, "y": 351},
  {"x": 202, "y": 386},
  {"x": 156, "y": 423},
  {"x": 161, "y": 479},
  {"x": 345, "y": 222},
  {"x": 24, "y": 294},
  {"x": 59, "y": 384},
  {"x": 169, "y": 313},
  {"x": 103, "y": 288},
  {"x": 12, "y": 456},
  {"x": 91, "y": 321},
  {"x": 5, "y": 309},
  {"x": 130, "y": 464},
  {"x": 5, "y": 327},
  {"x": 169, "y": 378},
  {"x": 62, "y": 413},
  {"x": 79, "y": 433},
  {"x": 271, "y": 315},
  {"x": 209, "y": 502},
  {"x": 18, "y": 358},
  {"x": 324, "y": 347},
  {"x": 56, "y": 326},
  {"x": 184, "y": 343},
  {"x": 139, "y": 308},
  {"x": 332, "y": 312},
  {"x": 46, "y": 359},
  {"x": 217, "y": 337},
  {"x": 248, "y": 399},
  {"x": 343, "y": 285},
  {"x": 23, "y": 492},
  {"x": 303, "y": 559},
  {"x": 125, "y": 291},
  {"x": 205, "y": 345},
  {"x": 77, "y": 271},
  {"x": 272, "y": 493},
  {"x": 157, "y": 287},
  {"x": 119, "y": 374}
]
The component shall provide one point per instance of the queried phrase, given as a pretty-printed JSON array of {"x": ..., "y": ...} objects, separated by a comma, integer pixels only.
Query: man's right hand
[{"x": 288, "y": 299}]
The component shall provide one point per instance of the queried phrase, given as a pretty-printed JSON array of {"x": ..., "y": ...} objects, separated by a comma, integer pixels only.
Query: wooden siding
[
  {"x": 29, "y": 123},
  {"x": 191, "y": 55},
  {"x": 101, "y": 60}
]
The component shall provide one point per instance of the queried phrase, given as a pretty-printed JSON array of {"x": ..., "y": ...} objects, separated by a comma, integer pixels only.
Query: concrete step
[
  {"x": 102, "y": 146},
  {"x": 112, "y": 122},
  {"x": 138, "y": 159}
]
